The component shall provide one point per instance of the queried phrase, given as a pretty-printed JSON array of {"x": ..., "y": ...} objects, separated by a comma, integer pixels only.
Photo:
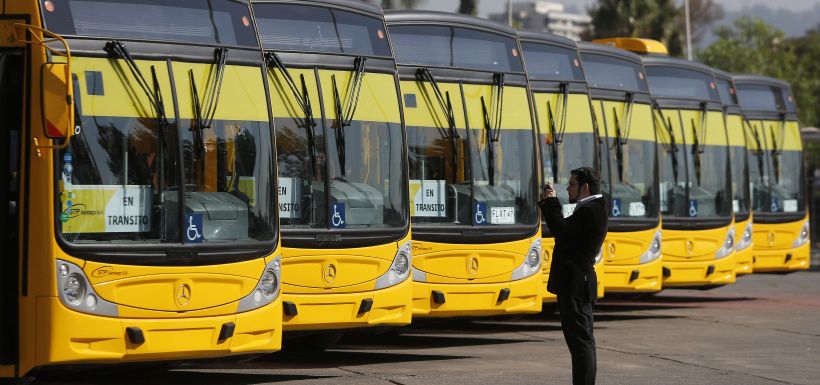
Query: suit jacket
[{"x": 578, "y": 239}]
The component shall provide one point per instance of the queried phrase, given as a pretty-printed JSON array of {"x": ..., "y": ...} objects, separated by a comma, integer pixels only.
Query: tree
[
  {"x": 652, "y": 19},
  {"x": 752, "y": 46},
  {"x": 402, "y": 4},
  {"x": 468, "y": 7}
]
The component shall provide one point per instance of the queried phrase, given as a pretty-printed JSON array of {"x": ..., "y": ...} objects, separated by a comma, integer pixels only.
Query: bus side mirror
[
  {"x": 56, "y": 86},
  {"x": 57, "y": 100}
]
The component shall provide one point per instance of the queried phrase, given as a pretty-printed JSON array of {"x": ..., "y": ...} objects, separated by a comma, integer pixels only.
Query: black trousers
[{"x": 576, "y": 321}]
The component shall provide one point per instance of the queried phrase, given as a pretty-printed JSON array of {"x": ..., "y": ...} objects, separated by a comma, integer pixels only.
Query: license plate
[{"x": 502, "y": 215}]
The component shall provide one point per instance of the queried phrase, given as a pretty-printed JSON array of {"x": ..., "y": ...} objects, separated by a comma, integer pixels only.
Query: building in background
[{"x": 546, "y": 16}]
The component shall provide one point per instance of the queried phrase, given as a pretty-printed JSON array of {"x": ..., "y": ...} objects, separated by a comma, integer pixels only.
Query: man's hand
[{"x": 548, "y": 191}]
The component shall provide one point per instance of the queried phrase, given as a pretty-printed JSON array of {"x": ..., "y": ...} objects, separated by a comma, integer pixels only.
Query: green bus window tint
[
  {"x": 633, "y": 189},
  {"x": 228, "y": 169},
  {"x": 117, "y": 174},
  {"x": 728, "y": 97},
  {"x": 305, "y": 28},
  {"x": 223, "y": 22},
  {"x": 510, "y": 191},
  {"x": 610, "y": 72},
  {"x": 741, "y": 199},
  {"x": 439, "y": 177},
  {"x": 548, "y": 62},
  {"x": 370, "y": 184},
  {"x": 575, "y": 150},
  {"x": 755, "y": 97},
  {"x": 464, "y": 48},
  {"x": 671, "y": 82}
]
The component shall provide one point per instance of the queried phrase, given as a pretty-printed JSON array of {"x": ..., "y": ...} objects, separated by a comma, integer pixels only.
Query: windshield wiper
[
  {"x": 759, "y": 148},
  {"x": 671, "y": 147},
  {"x": 493, "y": 129},
  {"x": 553, "y": 143},
  {"x": 443, "y": 99},
  {"x": 204, "y": 117},
  {"x": 118, "y": 50},
  {"x": 697, "y": 149},
  {"x": 777, "y": 148},
  {"x": 345, "y": 114},
  {"x": 272, "y": 61}
]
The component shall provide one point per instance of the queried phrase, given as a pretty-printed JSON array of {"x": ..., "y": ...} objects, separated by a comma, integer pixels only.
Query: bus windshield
[
  {"x": 632, "y": 171},
  {"x": 222, "y": 22},
  {"x": 553, "y": 63},
  {"x": 785, "y": 155},
  {"x": 703, "y": 180},
  {"x": 348, "y": 175},
  {"x": 739, "y": 159},
  {"x": 680, "y": 83},
  {"x": 442, "y": 46},
  {"x": 609, "y": 72},
  {"x": 307, "y": 28},
  {"x": 133, "y": 175}
]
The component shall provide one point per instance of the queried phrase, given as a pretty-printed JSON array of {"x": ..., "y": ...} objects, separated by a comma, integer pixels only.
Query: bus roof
[
  {"x": 760, "y": 79},
  {"x": 546, "y": 38},
  {"x": 445, "y": 18},
  {"x": 351, "y": 4},
  {"x": 649, "y": 61},
  {"x": 605, "y": 49},
  {"x": 723, "y": 75}
]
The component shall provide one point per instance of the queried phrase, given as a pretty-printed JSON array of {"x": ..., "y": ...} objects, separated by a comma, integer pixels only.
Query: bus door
[{"x": 11, "y": 107}]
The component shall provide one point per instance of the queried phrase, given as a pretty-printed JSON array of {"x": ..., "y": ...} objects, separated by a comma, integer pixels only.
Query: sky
[{"x": 486, "y": 7}]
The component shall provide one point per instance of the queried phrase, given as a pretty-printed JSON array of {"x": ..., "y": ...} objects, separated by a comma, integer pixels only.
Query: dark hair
[{"x": 587, "y": 175}]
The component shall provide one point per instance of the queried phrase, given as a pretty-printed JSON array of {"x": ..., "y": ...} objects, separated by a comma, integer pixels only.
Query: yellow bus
[
  {"x": 141, "y": 221},
  {"x": 341, "y": 153},
  {"x": 567, "y": 135},
  {"x": 696, "y": 183},
  {"x": 629, "y": 167},
  {"x": 781, "y": 219},
  {"x": 473, "y": 175},
  {"x": 741, "y": 164}
]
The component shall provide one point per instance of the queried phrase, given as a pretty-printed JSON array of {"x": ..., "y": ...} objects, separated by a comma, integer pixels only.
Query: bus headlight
[
  {"x": 266, "y": 290},
  {"x": 746, "y": 240},
  {"x": 74, "y": 289},
  {"x": 76, "y": 293},
  {"x": 399, "y": 270},
  {"x": 803, "y": 237},
  {"x": 654, "y": 251},
  {"x": 728, "y": 245},
  {"x": 531, "y": 264}
]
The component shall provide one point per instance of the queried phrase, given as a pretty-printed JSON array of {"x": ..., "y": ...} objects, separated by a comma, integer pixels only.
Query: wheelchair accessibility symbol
[
  {"x": 337, "y": 215},
  {"x": 480, "y": 217},
  {"x": 775, "y": 206},
  {"x": 193, "y": 228},
  {"x": 616, "y": 207},
  {"x": 693, "y": 208}
]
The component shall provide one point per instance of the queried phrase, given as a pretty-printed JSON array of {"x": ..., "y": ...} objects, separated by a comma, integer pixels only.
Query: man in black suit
[{"x": 578, "y": 240}]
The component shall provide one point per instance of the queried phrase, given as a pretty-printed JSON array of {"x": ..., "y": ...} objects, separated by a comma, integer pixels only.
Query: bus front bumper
[
  {"x": 477, "y": 299},
  {"x": 643, "y": 278},
  {"x": 388, "y": 307},
  {"x": 784, "y": 260},
  {"x": 67, "y": 336},
  {"x": 714, "y": 272},
  {"x": 744, "y": 261}
]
